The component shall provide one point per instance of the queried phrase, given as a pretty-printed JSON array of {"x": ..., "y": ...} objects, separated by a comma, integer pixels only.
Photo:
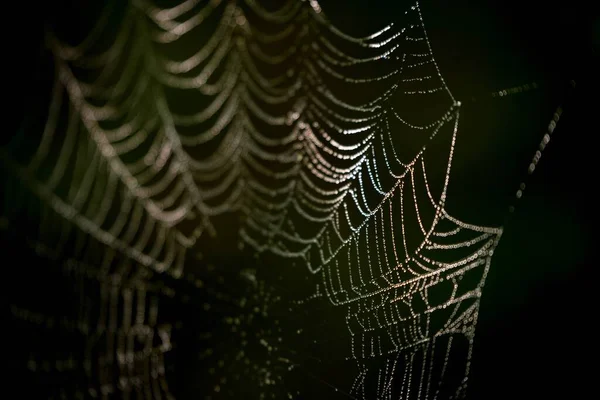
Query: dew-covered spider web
[{"x": 319, "y": 159}]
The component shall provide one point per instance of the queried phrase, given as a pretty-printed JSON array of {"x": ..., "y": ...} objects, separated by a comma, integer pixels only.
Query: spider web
[{"x": 336, "y": 151}]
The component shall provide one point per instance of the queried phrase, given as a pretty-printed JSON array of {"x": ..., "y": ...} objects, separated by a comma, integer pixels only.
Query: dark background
[{"x": 534, "y": 337}]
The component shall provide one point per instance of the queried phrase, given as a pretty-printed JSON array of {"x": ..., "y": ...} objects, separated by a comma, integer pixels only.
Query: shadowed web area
[{"x": 289, "y": 200}]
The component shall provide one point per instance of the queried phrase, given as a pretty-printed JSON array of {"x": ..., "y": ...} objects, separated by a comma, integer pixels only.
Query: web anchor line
[{"x": 552, "y": 125}]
